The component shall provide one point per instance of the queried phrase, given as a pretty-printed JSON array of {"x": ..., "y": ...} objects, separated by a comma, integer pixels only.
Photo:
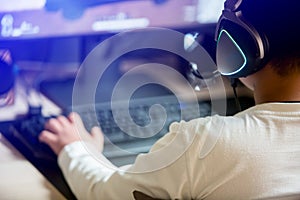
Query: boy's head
[{"x": 251, "y": 33}]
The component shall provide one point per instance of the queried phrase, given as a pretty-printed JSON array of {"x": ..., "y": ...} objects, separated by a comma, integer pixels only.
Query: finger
[
  {"x": 97, "y": 133},
  {"x": 76, "y": 119},
  {"x": 98, "y": 137},
  {"x": 72, "y": 116},
  {"x": 52, "y": 140},
  {"x": 63, "y": 120},
  {"x": 53, "y": 125},
  {"x": 47, "y": 137}
]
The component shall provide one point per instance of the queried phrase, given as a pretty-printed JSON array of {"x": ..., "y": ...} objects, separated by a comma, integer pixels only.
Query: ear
[{"x": 248, "y": 82}]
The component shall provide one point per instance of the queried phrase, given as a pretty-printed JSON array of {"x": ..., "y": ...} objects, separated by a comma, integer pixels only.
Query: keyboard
[
  {"x": 125, "y": 137},
  {"x": 27, "y": 129}
]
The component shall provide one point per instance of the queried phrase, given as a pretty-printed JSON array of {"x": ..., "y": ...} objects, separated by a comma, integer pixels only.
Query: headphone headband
[{"x": 232, "y": 5}]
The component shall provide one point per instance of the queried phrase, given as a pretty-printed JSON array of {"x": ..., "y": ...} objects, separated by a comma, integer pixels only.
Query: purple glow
[{"x": 29, "y": 19}]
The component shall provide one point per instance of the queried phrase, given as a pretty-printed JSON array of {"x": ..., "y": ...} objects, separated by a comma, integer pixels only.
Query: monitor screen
[{"x": 57, "y": 18}]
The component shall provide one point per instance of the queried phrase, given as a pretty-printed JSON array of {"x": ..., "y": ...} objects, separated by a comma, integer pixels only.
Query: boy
[{"x": 257, "y": 154}]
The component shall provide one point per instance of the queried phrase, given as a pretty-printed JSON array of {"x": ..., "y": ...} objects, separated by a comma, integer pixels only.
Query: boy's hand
[{"x": 62, "y": 131}]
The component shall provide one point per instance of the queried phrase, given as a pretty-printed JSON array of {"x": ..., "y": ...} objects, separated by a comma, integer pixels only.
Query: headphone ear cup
[{"x": 237, "y": 52}]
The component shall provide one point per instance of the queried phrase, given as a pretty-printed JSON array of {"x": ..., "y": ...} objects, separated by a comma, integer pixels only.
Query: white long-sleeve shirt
[{"x": 252, "y": 155}]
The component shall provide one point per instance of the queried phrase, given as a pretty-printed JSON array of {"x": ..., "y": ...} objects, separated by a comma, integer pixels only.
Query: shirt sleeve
[{"x": 91, "y": 176}]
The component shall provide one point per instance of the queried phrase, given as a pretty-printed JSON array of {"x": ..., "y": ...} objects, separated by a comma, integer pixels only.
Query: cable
[{"x": 234, "y": 86}]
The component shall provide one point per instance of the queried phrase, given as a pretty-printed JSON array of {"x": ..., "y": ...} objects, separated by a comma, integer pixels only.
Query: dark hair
[
  {"x": 278, "y": 20},
  {"x": 286, "y": 64}
]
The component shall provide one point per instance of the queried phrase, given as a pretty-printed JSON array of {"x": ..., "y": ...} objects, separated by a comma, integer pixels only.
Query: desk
[{"x": 20, "y": 179}]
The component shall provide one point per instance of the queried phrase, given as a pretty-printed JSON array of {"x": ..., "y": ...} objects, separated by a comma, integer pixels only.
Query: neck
[{"x": 277, "y": 88}]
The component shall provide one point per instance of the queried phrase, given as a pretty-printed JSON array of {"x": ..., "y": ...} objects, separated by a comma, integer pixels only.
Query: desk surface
[{"x": 20, "y": 179}]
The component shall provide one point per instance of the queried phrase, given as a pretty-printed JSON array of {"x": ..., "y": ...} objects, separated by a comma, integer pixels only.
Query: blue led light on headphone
[
  {"x": 245, "y": 49},
  {"x": 227, "y": 59}
]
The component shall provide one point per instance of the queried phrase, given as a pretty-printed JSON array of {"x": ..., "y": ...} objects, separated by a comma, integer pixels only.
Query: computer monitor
[
  {"x": 52, "y": 35},
  {"x": 65, "y": 31},
  {"x": 57, "y": 18}
]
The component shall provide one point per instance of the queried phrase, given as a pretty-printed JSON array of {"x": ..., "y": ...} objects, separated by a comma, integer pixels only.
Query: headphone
[
  {"x": 7, "y": 72},
  {"x": 241, "y": 49}
]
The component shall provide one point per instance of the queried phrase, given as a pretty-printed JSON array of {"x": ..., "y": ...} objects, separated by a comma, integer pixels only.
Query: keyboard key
[{"x": 136, "y": 132}]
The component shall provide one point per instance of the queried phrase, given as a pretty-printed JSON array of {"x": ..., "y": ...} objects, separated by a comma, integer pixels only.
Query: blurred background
[{"x": 49, "y": 39}]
